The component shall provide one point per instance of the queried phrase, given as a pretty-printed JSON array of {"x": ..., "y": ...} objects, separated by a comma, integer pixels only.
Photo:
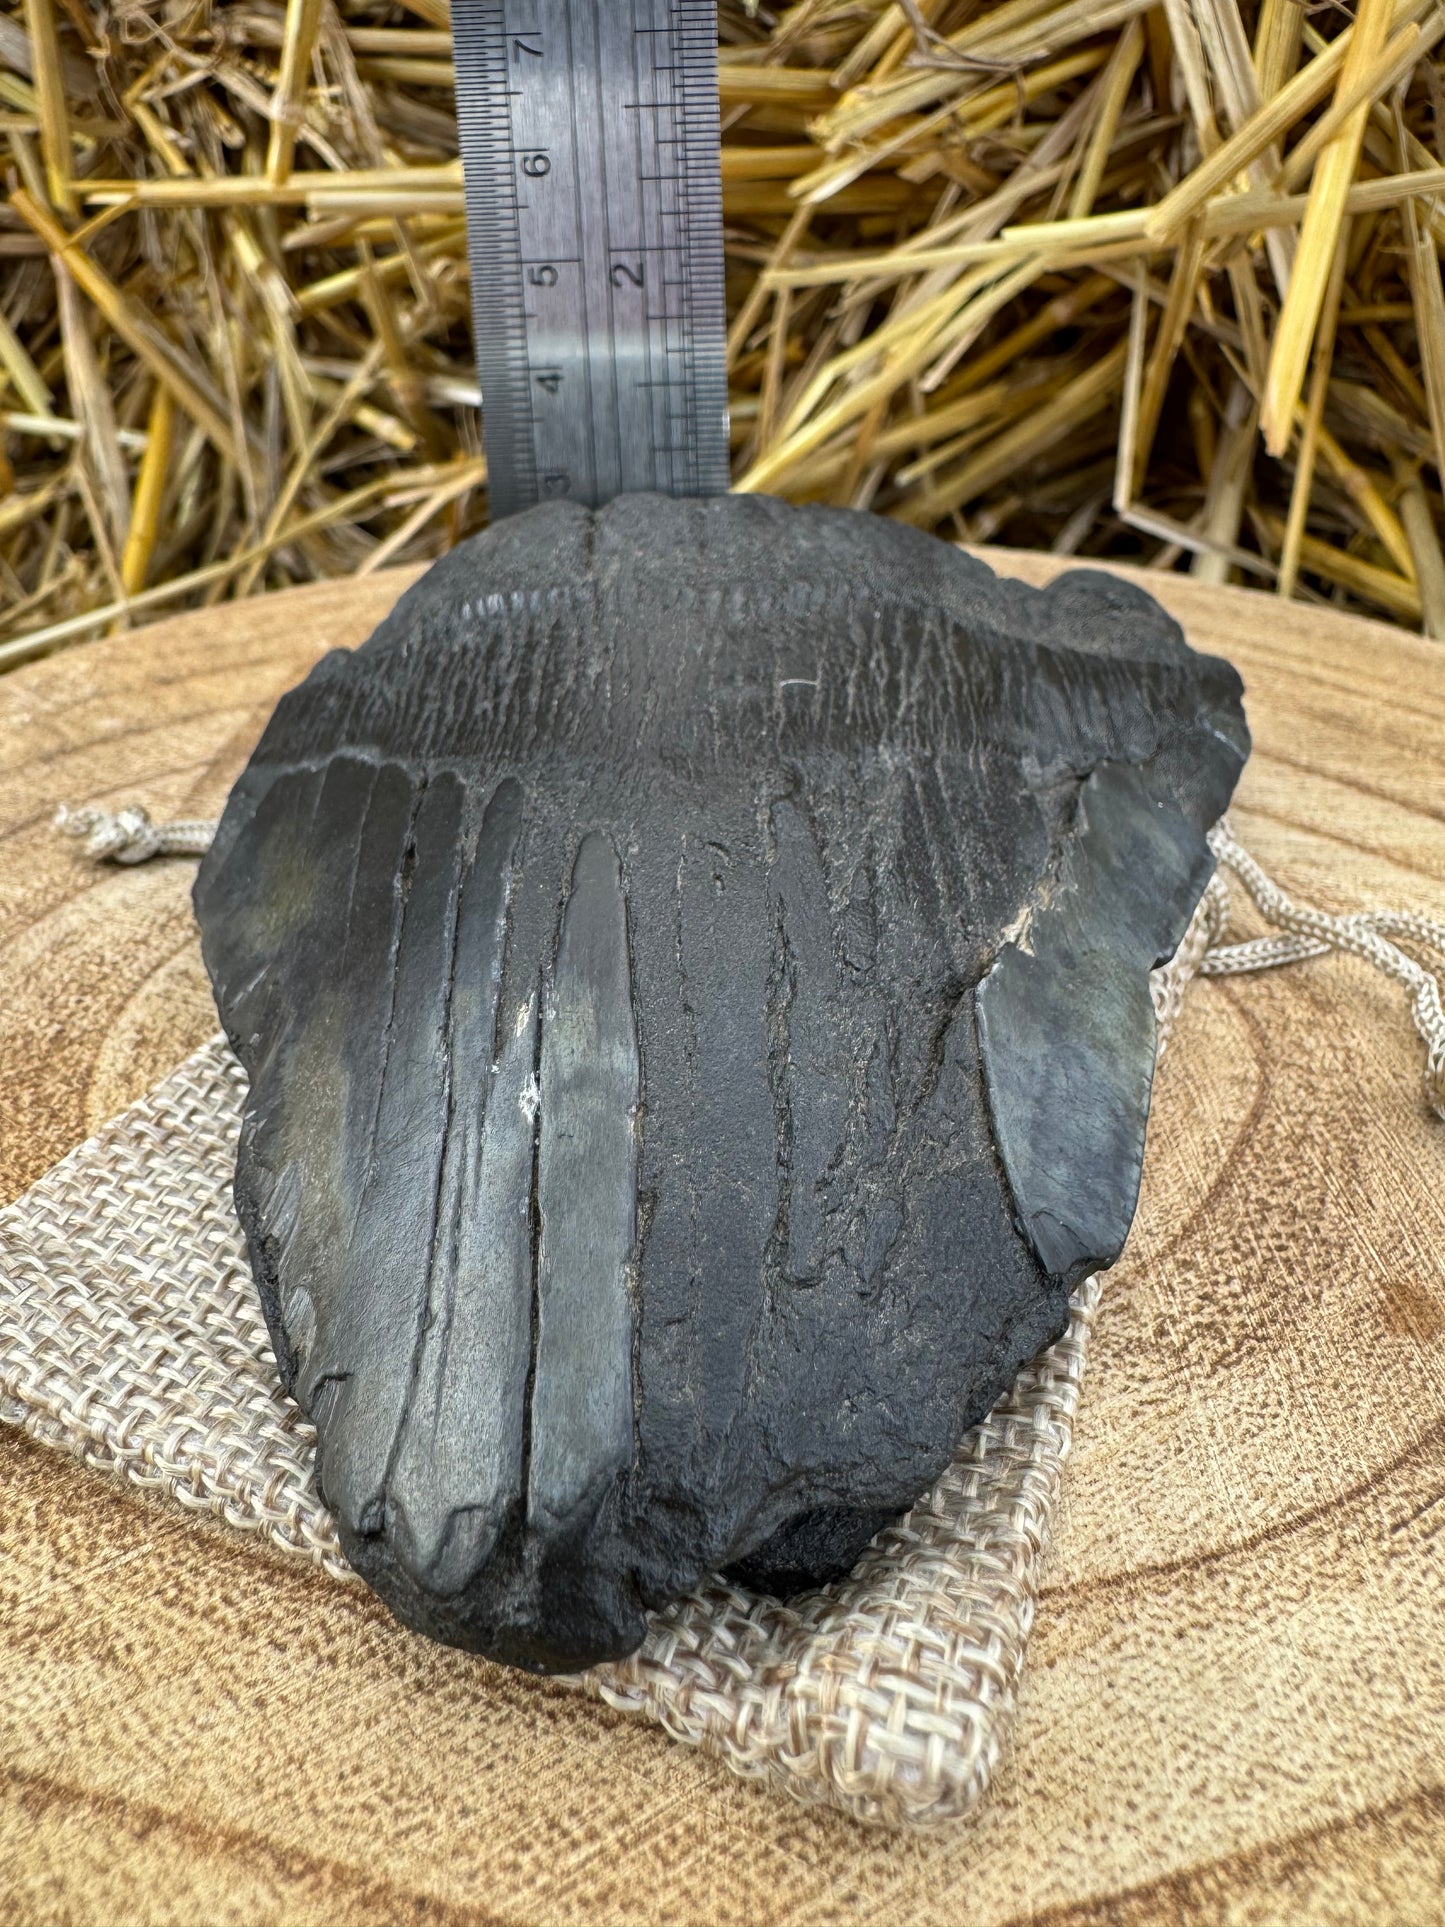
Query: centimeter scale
[{"x": 589, "y": 136}]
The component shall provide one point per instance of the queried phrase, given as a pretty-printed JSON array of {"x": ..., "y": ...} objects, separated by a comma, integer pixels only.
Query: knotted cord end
[{"x": 129, "y": 836}]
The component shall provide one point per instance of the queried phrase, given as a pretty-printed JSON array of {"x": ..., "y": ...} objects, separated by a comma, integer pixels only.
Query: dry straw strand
[
  {"x": 946, "y": 224},
  {"x": 1320, "y": 232}
]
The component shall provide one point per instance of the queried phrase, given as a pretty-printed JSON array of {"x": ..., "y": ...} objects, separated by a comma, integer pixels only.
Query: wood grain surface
[{"x": 1234, "y": 1706}]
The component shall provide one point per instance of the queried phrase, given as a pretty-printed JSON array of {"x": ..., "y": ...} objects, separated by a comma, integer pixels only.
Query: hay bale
[{"x": 1158, "y": 282}]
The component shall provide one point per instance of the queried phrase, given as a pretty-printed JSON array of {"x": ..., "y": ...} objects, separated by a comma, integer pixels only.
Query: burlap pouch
[{"x": 131, "y": 1336}]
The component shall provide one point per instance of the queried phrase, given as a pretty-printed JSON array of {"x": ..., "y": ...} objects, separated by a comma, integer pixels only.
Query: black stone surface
[{"x": 691, "y": 965}]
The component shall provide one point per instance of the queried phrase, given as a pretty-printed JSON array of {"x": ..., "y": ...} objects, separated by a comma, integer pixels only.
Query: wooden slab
[{"x": 1235, "y": 1700}]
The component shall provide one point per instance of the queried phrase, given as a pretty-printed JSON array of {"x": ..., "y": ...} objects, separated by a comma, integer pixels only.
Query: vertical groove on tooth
[
  {"x": 458, "y": 1465},
  {"x": 381, "y": 1300},
  {"x": 582, "y": 1431}
]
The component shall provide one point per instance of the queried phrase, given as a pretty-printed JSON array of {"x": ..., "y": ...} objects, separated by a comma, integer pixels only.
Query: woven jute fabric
[{"x": 132, "y": 1337}]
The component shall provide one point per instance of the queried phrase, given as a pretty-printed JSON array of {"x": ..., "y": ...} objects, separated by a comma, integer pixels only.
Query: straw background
[{"x": 1096, "y": 276}]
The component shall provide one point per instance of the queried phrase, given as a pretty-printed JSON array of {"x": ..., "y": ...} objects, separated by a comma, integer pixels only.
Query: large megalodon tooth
[{"x": 692, "y": 970}]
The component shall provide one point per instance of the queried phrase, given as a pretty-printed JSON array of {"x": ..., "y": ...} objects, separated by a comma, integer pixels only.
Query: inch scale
[{"x": 589, "y": 137}]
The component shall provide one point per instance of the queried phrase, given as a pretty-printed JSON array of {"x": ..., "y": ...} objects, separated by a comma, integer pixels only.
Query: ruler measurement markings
[
  {"x": 663, "y": 49},
  {"x": 501, "y": 336},
  {"x": 659, "y": 48},
  {"x": 621, "y": 221},
  {"x": 611, "y": 345},
  {"x": 644, "y": 84},
  {"x": 652, "y": 231},
  {"x": 590, "y": 144},
  {"x": 543, "y": 155},
  {"x": 591, "y": 484}
]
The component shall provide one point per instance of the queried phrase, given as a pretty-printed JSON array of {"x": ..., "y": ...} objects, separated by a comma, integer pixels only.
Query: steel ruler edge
[{"x": 590, "y": 149}]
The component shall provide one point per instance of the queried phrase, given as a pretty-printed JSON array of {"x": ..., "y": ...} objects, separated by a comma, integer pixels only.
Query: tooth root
[{"x": 582, "y": 1425}]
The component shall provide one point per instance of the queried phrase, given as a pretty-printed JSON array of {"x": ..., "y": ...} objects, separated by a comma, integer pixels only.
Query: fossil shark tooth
[{"x": 692, "y": 970}]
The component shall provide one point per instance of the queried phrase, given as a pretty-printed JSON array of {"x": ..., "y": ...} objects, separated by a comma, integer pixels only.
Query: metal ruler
[{"x": 589, "y": 136}]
